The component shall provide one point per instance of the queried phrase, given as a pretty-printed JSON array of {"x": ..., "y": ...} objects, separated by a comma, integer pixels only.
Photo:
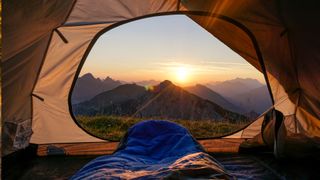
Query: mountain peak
[
  {"x": 246, "y": 81},
  {"x": 165, "y": 83},
  {"x": 87, "y": 76},
  {"x": 88, "y": 86},
  {"x": 108, "y": 79}
]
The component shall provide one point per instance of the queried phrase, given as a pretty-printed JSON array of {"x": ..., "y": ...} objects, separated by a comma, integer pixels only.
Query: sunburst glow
[{"x": 182, "y": 74}]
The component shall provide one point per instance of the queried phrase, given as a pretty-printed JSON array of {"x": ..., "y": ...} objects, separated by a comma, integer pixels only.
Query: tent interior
[{"x": 46, "y": 43}]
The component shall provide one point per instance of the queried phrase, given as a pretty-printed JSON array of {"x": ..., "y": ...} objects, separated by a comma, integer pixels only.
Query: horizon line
[{"x": 152, "y": 79}]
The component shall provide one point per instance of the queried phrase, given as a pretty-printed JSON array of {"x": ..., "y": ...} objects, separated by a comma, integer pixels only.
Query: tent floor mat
[
  {"x": 243, "y": 166},
  {"x": 265, "y": 166}
]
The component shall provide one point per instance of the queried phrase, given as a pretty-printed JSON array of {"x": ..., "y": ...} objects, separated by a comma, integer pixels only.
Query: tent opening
[{"x": 166, "y": 68}]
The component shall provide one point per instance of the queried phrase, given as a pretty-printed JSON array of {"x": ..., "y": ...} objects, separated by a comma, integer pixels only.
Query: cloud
[
  {"x": 225, "y": 63},
  {"x": 203, "y": 67}
]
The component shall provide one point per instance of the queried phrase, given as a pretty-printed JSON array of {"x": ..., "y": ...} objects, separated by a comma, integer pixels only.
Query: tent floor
[
  {"x": 265, "y": 166},
  {"x": 262, "y": 166}
]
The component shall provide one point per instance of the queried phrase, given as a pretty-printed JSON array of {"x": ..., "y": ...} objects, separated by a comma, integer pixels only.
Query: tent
[{"x": 45, "y": 44}]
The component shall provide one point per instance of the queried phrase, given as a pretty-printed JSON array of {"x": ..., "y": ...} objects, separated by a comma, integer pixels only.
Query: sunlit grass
[{"x": 114, "y": 127}]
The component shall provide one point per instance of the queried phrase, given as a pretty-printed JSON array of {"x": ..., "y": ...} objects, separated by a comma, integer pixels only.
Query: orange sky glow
[{"x": 165, "y": 48}]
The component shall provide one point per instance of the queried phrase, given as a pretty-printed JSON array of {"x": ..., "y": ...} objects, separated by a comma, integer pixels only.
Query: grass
[{"x": 114, "y": 127}]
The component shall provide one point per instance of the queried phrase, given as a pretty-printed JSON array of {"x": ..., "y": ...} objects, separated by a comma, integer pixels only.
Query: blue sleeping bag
[{"x": 154, "y": 149}]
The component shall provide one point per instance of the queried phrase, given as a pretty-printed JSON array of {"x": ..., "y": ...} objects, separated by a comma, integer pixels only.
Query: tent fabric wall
[
  {"x": 279, "y": 31},
  {"x": 250, "y": 131},
  {"x": 52, "y": 122},
  {"x": 25, "y": 22},
  {"x": 232, "y": 35},
  {"x": 302, "y": 23},
  {"x": 62, "y": 62},
  {"x": 87, "y": 12},
  {"x": 18, "y": 76},
  {"x": 302, "y": 85},
  {"x": 27, "y": 26},
  {"x": 286, "y": 33}
]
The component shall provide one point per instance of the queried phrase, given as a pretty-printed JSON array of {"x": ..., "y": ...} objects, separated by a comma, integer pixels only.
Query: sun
[{"x": 182, "y": 74}]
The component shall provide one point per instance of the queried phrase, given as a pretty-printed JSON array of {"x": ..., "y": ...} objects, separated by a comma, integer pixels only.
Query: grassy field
[{"x": 114, "y": 127}]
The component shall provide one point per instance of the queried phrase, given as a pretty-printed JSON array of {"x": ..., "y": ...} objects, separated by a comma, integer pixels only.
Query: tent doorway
[{"x": 167, "y": 68}]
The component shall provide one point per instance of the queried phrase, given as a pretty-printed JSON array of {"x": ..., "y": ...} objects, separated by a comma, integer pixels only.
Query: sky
[{"x": 165, "y": 48}]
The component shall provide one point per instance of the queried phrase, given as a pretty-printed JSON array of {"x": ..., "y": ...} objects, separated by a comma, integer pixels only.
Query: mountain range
[
  {"x": 244, "y": 96},
  {"x": 163, "y": 101},
  {"x": 234, "y": 87},
  {"x": 87, "y": 86},
  {"x": 248, "y": 94}
]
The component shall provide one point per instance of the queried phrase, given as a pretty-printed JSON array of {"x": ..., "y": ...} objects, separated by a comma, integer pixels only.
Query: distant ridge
[
  {"x": 234, "y": 87},
  {"x": 87, "y": 86},
  {"x": 257, "y": 100},
  {"x": 148, "y": 82},
  {"x": 248, "y": 94},
  {"x": 206, "y": 93}
]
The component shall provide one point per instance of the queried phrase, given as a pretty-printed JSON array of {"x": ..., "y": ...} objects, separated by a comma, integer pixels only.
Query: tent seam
[{"x": 178, "y": 5}]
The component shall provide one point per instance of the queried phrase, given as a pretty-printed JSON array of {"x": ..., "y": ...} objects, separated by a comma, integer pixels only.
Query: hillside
[{"x": 206, "y": 93}]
